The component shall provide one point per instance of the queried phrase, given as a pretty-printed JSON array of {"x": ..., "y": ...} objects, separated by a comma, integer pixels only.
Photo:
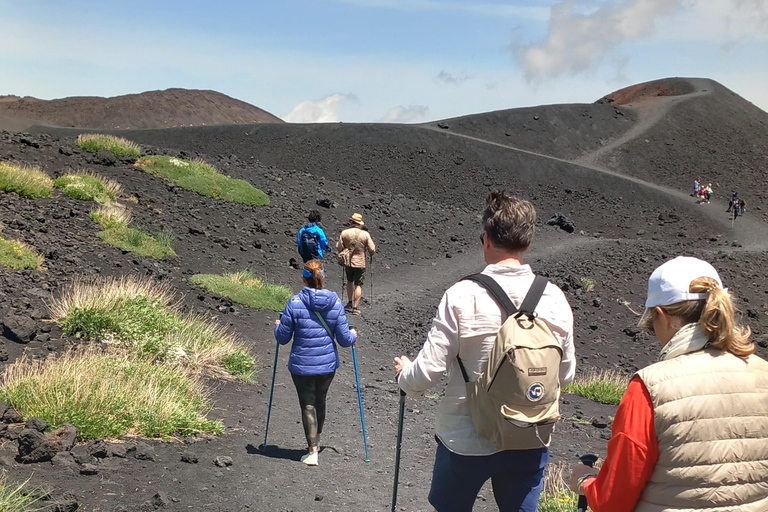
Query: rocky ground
[{"x": 421, "y": 190}]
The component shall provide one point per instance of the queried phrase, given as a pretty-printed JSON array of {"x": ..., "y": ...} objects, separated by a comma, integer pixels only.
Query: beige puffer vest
[{"x": 711, "y": 419}]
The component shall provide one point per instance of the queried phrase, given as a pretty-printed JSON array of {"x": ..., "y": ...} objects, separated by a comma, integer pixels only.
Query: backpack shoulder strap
[
  {"x": 496, "y": 291},
  {"x": 322, "y": 321},
  {"x": 532, "y": 298}
]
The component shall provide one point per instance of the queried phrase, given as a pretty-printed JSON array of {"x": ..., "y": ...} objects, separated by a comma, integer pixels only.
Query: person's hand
[
  {"x": 353, "y": 331},
  {"x": 578, "y": 471},
  {"x": 277, "y": 322},
  {"x": 400, "y": 363}
]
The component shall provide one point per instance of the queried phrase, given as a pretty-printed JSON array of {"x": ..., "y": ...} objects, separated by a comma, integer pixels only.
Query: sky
[{"x": 380, "y": 60}]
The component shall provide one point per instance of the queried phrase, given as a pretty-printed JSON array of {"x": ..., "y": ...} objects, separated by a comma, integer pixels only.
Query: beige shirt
[
  {"x": 468, "y": 320},
  {"x": 360, "y": 240}
]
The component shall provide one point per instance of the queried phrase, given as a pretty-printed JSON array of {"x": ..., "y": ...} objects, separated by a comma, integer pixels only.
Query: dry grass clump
[
  {"x": 118, "y": 146},
  {"x": 243, "y": 288},
  {"x": 144, "y": 317},
  {"x": 556, "y": 496},
  {"x": 17, "y": 255},
  {"x": 604, "y": 386},
  {"x": 25, "y": 180},
  {"x": 201, "y": 177},
  {"x": 16, "y": 497},
  {"x": 86, "y": 185},
  {"x": 109, "y": 393},
  {"x": 111, "y": 216}
]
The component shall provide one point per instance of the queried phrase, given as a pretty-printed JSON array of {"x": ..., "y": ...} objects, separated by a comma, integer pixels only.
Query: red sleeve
[{"x": 632, "y": 454}]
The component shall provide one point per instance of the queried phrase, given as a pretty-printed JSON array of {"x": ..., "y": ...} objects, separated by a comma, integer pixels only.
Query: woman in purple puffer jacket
[{"x": 314, "y": 357}]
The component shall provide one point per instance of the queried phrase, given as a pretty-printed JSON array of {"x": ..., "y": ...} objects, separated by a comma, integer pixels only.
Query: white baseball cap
[{"x": 670, "y": 283}]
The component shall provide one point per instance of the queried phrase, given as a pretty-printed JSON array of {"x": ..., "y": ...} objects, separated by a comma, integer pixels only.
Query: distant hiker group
[
  {"x": 353, "y": 244},
  {"x": 690, "y": 433},
  {"x": 701, "y": 191},
  {"x": 736, "y": 205}
]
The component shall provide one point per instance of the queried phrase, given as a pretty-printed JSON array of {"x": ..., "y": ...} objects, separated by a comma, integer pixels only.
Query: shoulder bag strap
[
  {"x": 496, "y": 291},
  {"x": 532, "y": 298},
  {"x": 322, "y": 321}
]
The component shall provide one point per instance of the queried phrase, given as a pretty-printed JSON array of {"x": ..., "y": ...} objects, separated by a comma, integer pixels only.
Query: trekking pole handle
[{"x": 588, "y": 459}]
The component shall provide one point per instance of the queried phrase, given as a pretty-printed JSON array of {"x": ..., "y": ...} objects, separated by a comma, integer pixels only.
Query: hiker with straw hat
[{"x": 353, "y": 243}]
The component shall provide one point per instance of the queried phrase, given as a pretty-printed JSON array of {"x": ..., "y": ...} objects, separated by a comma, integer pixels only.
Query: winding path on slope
[{"x": 750, "y": 230}]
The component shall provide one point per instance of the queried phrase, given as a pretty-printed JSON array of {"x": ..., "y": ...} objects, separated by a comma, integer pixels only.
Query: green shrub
[
  {"x": 109, "y": 394},
  {"x": 587, "y": 284},
  {"x": 244, "y": 288},
  {"x": 118, "y": 146},
  {"x": 25, "y": 180},
  {"x": 143, "y": 317},
  {"x": 204, "y": 179},
  {"x": 87, "y": 186},
  {"x": 16, "y": 497},
  {"x": 606, "y": 387},
  {"x": 19, "y": 256},
  {"x": 131, "y": 239}
]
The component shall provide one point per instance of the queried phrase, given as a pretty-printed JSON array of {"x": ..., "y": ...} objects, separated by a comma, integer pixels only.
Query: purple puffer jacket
[{"x": 313, "y": 351}]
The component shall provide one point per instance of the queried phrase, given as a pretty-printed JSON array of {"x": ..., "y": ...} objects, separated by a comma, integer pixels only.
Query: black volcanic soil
[
  {"x": 420, "y": 189},
  {"x": 151, "y": 109}
]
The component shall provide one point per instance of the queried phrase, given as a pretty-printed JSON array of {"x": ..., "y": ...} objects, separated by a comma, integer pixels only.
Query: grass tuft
[
  {"x": 587, "y": 284},
  {"x": 115, "y": 219},
  {"x": 19, "y": 256},
  {"x": 16, "y": 497},
  {"x": 556, "y": 496},
  {"x": 136, "y": 241},
  {"x": 144, "y": 317},
  {"x": 88, "y": 186},
  {"x": 603, "y": 386},
  {"x": 244, "y": 288},
  {"x": 25, "y": 180},
  {"x": 118, "y": 146},
  {"x": 109, "y": 394},
  {"x": 204, "y": 179}
]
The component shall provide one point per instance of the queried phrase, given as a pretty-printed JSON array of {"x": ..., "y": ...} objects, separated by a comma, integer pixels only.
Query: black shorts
[{"x": 355, "y": 275}]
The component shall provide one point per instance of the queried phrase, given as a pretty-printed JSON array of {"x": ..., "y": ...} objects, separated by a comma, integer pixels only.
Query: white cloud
[
  {"x": 401, "y": 114},
  {"x": 576, "y": 42},
  {"x": 471, "y": 7},
  {"x": 324, "y": 110},
  {"x": 449, "y": 78}
]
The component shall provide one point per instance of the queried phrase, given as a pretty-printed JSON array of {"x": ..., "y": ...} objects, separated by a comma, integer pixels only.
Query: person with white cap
[
  {"x": 355, "y": 240},
  {"x": 691, "y": 432}
]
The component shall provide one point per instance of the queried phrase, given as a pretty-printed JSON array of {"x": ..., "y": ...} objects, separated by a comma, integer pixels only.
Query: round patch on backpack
[{"x": 535, "y": 392}]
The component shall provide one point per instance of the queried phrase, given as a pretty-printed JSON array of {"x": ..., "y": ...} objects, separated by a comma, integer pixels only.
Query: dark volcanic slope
[
  {"x": 649, "y": 90},
  {"x": 421, "y": 190},
  {"x": 152, "y": 109},
  {"x": 564, "y": 131},
  {"x": 716, "y": 136}
]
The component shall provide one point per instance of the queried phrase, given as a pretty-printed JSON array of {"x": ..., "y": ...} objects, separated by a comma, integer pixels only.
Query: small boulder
[
  {"x": 37, "y": 424},
  {"x": 562, "y": 222},
  {"x": 223, "y": 461},
  {"x": 19, "y": 329},
  {"x": 34, "y": 447},
  {"x": 89, "y": 469},
  {"x": 104, "y": 157}
]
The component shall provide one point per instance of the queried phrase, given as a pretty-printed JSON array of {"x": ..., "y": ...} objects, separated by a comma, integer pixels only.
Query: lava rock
[
  {"x": 66, "y": 506},
  {"x": 37, "y": 424},
  {"x": 325, "y": 203},
  {"x": 89, "y": 469},
  {"x": 223, "y": 461},
  {"x": 562, "y": 222},
  {"x": 34, "y": 447},
  {"x": 19, "y": 329},
  {"x": 189, "y": 458},
  {"x": 11, "y": 415},
  {"x": 104, "y": 157}
]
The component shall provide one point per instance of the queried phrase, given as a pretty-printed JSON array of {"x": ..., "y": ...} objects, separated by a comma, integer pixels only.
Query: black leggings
[{"x": 312, "y": 390}]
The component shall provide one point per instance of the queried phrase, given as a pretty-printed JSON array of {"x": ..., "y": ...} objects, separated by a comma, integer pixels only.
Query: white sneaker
[{"x": 310, "y": 459}]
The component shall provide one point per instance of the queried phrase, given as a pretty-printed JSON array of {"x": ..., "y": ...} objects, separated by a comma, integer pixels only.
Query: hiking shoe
[
  {"x": 355, "y": 311},
  {"x": 348, "y": 306},
  {"x": 310, "y": 459}
]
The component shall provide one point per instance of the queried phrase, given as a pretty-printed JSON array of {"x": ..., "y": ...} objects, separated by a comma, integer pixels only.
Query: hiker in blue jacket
[
  {"x": 309, "y": 318},
  {"x": 311, "y": 240}
]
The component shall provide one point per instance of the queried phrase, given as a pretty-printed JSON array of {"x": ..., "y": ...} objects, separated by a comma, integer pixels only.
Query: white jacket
[{"x": 468, "y": 317}]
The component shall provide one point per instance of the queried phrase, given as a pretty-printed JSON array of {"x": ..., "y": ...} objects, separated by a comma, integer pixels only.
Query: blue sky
[{"x": 380, "y": 60}]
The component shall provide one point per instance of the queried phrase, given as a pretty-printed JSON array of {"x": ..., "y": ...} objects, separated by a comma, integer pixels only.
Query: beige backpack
[
  {"x": 515, "y": 401},
  {"x": 345, "y": 255}
]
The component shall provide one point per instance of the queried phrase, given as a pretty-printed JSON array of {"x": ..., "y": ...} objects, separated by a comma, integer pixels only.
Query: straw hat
[{"x": 357, "y": 218}]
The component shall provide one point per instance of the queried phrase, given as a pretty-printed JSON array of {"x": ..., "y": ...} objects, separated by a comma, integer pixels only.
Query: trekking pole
[
  {"x": 399, "y": 447},
  {"x": 588, "y": 460},
  {"x": 371, "y": 302},
  {"x": 360, "y": 402},
  {"x": 271, "y": 394}
]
